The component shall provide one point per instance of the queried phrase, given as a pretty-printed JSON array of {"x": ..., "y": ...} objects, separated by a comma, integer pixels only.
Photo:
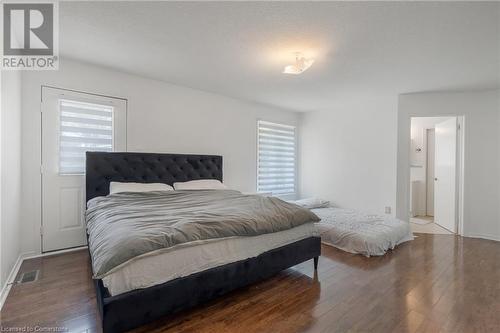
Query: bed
[
  {"x": 146, "y": 284},
  {"x": 359, "y": 232}
]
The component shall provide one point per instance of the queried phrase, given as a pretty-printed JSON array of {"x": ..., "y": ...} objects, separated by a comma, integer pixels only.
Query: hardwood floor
[{"x": 437, "y": 283}]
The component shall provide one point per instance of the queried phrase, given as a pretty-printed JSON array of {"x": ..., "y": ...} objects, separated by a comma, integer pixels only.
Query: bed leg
[{"x": 316, "y": 263}]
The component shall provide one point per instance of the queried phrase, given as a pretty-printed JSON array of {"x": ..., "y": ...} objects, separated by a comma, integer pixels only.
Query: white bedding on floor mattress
[
  {"x": 359, "y": 232},
  {"x": 159, "y": 268}
]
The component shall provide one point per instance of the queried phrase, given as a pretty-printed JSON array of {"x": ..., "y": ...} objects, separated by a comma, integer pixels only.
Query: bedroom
[{"x": 206, "y": 79}]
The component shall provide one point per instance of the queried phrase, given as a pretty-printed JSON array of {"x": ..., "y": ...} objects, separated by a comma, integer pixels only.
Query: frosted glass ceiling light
[{"x": 300, "y": 66}]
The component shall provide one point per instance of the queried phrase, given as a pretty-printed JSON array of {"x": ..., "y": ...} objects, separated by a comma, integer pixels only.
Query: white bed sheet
[
  {"x": 159, "y": 268},
  {"x": 358, "y": 232}
]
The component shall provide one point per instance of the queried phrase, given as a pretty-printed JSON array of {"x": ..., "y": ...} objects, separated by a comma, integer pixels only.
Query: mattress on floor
[
  {"x": 150, "y": 270},
  {"x": 363, "y": 233}
]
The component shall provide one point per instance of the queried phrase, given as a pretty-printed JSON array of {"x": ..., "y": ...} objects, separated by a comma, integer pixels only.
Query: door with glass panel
[{"x": 73, "y": 123}]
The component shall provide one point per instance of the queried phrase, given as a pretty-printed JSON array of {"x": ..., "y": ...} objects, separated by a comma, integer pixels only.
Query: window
[
  {"x": 83, "y": 127},
  {"x": 276, "y": 162}
]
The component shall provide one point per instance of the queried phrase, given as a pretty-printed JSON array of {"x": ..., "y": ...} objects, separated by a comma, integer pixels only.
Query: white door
[
  {"x": 445, "y": 170},
  {"x": 430, "y": 172},
  {"x": 73, "y": 123}
]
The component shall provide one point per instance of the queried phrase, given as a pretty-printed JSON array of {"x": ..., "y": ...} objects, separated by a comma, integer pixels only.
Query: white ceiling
[
  {"x": 427, "y": 122},
  {"x": 240, "y": 48}
]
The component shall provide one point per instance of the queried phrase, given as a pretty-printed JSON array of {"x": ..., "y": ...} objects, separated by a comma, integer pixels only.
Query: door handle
[{"x": 435, "y": 179}]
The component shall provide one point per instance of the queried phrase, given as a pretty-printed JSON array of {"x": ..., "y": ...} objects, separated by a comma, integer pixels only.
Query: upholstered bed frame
[{"x": 137, "y": 307}]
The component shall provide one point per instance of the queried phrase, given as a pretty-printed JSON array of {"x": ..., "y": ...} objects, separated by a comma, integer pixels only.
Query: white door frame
[
  {"x": 459, "y": 203},
  {"x": 460, "y": 174},
  {"x": 69, "y": 92}
]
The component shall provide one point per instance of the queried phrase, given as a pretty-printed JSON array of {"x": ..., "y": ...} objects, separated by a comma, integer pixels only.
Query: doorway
[
  {"x": 73, "y": 123},
  {"x": 434, "y": 174}
]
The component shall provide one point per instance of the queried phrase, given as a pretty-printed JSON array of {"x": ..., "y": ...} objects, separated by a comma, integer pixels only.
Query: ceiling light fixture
[{"x": 300, "y": 66}]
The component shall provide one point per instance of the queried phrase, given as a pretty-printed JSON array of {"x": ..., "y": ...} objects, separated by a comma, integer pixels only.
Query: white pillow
[
  {"x": 311, "y": 203},
  {"x": 201, "y": 184},
  {"x": 117, "y": 187}
]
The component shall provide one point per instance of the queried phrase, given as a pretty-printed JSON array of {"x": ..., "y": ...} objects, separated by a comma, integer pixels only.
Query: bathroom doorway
[{"x": 435, "y": 156}]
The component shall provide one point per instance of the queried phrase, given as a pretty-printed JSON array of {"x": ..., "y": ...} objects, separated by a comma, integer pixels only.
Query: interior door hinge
[
  {"x": 41, "y": 231},
  {"x": 41, "y": 169},
  {"x": 458, "y": 127}
]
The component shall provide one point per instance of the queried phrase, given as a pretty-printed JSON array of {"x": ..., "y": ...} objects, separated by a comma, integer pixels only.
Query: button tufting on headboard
[{"x": 103, "y": 168}]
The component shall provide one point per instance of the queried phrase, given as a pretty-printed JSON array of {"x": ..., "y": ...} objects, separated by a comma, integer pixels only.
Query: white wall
[
  {"x": 161, "y": 118},
  {"x": 481, "y": 111},
  {"x": 10, "y": 155},
  {"x": 348, "y": 154}
]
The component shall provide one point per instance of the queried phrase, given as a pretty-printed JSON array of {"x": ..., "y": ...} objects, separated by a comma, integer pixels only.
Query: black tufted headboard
[{"x": 103, "y": 167}]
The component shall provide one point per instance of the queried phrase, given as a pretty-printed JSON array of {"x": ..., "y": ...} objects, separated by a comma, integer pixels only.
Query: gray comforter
[{"x": 126, "y": 225}]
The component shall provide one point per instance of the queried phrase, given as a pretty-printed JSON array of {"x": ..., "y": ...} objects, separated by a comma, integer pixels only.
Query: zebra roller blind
[
  {"x": 83, "y": 127},
  {"x": 276, "y": 163}
]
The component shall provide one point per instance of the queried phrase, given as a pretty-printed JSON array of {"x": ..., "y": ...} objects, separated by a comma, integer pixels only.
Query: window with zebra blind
[
  {"x": 83, "y": 127},
  {"x": 277, "y": 158}
]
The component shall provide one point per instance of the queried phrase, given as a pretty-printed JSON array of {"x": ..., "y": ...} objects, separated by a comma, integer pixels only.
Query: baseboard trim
[
  {"x": 482, "y": 236},
  {"x": 25, "y": 256},
  {"x": 10, "y": 280}
]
